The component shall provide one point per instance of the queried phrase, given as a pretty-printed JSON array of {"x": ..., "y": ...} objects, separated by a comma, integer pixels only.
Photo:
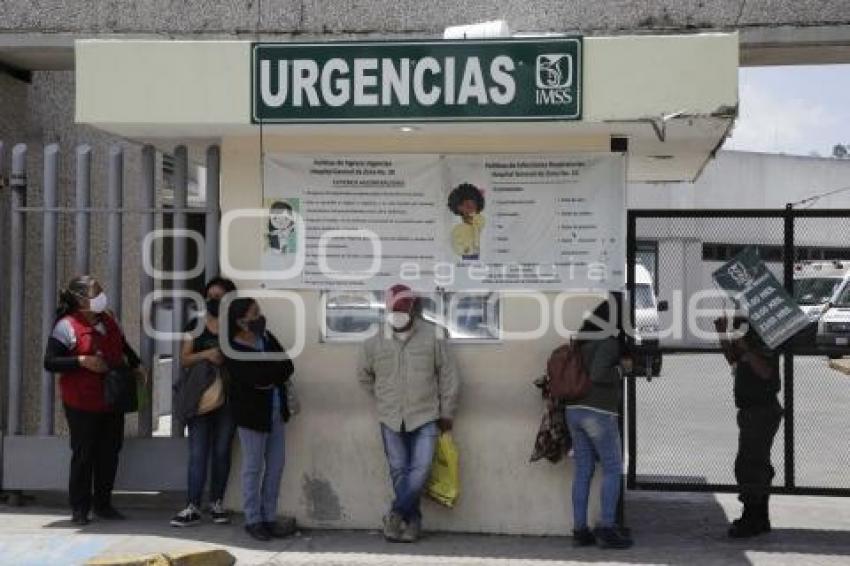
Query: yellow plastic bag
[{"x": 444, "y": 482}]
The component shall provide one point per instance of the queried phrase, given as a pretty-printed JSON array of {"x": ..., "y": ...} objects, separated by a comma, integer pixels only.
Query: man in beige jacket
[{"x": 412, "y": 375}]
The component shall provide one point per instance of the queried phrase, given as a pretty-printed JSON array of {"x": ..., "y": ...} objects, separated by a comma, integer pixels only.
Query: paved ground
[
  {"x": 668, "y": 528},
  {"x": 686, "y": 430},
  {"x": 686, "y": 423}
]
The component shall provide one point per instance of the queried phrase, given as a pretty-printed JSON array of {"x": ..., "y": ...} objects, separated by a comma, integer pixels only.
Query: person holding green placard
[{"x": 755, "y": 368}]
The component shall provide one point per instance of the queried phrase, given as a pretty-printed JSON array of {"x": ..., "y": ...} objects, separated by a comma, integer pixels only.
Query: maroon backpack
[{"x": 567, "y": 378}]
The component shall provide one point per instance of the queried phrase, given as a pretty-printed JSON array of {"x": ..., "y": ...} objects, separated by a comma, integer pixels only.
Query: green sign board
[
  {"x": 770, "y": 309},
  {"x": 417, "y": 81}
]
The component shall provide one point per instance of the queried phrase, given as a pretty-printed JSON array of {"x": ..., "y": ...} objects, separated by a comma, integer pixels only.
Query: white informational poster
[{"x": 483, "y": 222}]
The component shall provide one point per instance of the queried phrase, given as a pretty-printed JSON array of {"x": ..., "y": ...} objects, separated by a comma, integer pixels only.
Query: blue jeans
[
  {"x": 595, "y": 435},
  {"x": 210, "y": 440},
  {"x": 409, "y": 455},
  {"x": 263, "y": 456}
]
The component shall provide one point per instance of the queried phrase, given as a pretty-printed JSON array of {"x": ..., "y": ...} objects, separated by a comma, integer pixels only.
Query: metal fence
[
  {"x": 680, "y": 426},
  {"x": 82, "y": 214}
]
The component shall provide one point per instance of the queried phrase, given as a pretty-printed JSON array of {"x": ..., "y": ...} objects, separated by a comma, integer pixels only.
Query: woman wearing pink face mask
[{"x": 85, "y": 344}]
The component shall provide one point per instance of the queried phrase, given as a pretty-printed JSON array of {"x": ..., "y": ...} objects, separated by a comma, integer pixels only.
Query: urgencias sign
[{"x": 418, "y": 81}]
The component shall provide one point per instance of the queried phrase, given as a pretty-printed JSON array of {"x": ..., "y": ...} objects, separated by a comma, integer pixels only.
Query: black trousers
[
  {"x": 757, "y": 428},
  {"x": 96, "y": 440}
]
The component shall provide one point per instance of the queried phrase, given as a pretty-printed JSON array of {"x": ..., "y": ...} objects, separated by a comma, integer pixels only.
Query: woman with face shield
[{"x": 86, "y": 343}]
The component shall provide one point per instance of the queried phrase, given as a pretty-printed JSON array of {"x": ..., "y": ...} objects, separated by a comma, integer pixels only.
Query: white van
[
  {"x": 647, "y": 307},
  {"x": 834, "y": 323},
  {"x": 817, "y": 284}
]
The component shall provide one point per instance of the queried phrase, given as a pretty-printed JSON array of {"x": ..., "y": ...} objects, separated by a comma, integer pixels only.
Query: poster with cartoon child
[
  {"x": 466, "y": 201},
  {"x": 281, "y": 236}
]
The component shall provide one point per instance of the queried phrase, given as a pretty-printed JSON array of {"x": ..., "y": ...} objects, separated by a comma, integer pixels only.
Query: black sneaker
[
  {"x": 282, "y": 529},
  {"x": 583, "y": 537},
  {"x": 187, "y": 517},
  {"x": 109, "y": 513},
  {"x": 258, "y": 532},
  {"x": 219, "y": 514},
  {"x": 612, "y": 537}
]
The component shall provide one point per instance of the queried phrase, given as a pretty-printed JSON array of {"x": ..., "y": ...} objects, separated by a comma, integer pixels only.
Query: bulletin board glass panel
[{"x": 354, "y": 316}]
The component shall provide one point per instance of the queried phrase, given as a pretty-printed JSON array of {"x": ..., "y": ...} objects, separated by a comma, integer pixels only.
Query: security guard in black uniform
[{"x": 755, "y": 368}]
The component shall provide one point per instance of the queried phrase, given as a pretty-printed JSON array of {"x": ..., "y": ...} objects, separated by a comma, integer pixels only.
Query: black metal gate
[{"x": 680, "y": 425}]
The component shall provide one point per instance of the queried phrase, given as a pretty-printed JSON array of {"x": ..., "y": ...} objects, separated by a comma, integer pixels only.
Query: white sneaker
[
  {"x": 187, "y": 517},
  {"x": 219, "y": 514}
]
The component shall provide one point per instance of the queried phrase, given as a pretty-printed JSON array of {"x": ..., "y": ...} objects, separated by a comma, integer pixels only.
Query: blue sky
[{"x": 796, "y": 110}]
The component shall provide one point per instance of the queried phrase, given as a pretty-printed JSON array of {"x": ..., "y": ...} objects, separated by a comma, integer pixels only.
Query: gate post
[
  {"x": 146, "y": 287},
  {"x": 114, "y": 233},
  {"x": 181, "y": 186},
  {"x": 82, "y": 232},
  {"x": 4, "y": 263},
  {"x": 17, "y": 226},
  {"x": 788, "y": 355},
  {"x": 213, "y": 218},
  {"x": 631, "y": 386},
  {"x": 48, "y": 284}
]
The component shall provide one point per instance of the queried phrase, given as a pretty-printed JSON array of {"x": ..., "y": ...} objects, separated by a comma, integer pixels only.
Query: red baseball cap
[{"x": 400, "y": 298}]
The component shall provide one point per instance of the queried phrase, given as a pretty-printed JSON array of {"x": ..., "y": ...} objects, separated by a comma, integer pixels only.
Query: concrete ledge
[{"x": 146, "y": 464}]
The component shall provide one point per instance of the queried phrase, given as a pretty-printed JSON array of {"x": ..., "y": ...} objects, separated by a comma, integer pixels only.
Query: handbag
[
  {"x": 444, "y": 481},
  {"x": 213, "y": 396},
  {"x": 120, "y": 391}
]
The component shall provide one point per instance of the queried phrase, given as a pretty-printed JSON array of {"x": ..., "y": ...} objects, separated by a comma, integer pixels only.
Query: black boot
[
  {"x": 750, "y": 524},
  {"x": 764, "y": 515},
  {"x": 80, "y": 517}
]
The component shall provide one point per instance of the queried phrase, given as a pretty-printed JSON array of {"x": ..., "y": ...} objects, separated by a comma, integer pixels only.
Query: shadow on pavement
[{"x": 668, "y": 528}]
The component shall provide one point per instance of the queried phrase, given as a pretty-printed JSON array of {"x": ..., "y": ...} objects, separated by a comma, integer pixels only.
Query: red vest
[{"x": 83, "y": 389}]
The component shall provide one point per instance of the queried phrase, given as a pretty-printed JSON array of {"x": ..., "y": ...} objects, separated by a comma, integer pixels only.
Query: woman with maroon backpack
[
  {"x": 85, "y": 345},
  {"x": 593, "y": 423}
]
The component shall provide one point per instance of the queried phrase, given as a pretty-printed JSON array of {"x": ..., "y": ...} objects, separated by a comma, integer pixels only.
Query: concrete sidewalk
[{"x": 668, "y": 529}]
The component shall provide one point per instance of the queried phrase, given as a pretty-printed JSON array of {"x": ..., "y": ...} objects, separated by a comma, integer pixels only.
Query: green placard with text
[
  {"x": 770, "y": 309},
  {"x": 419, "y": 81}
]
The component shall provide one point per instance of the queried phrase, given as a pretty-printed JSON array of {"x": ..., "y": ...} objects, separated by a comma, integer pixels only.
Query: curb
[{"x": 215, "y": 557}]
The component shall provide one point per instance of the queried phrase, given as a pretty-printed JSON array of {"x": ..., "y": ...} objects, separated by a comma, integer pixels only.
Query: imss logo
[{"x": 554, "y": 79}]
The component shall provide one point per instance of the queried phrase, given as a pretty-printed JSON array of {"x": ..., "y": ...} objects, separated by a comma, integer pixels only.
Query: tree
[{"x": 840, "y": 151}]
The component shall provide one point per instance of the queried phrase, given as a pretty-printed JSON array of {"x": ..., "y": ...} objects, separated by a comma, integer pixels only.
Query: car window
[{"x": 815, "y": 290}]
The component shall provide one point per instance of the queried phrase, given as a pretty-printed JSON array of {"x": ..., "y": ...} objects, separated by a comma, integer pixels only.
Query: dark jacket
[
  {"x": 189, "y": 388},
  {"x": 751, "y": 389},
  {"x": 253, "y": 381},
  {"x": 601, "y": 360}
]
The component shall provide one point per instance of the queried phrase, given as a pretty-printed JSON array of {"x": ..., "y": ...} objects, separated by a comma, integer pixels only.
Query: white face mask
[
  {"x": 98, "y": 304},
  {"x": 398, "y": 320}
]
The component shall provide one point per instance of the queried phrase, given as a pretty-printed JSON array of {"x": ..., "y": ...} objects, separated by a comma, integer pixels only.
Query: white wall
[
  {"x": 336, "y": 473},
  {"x": 740, "y": 179}
]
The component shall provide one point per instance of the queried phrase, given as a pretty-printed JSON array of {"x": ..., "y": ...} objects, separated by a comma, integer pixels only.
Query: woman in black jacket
[{"x": 259, "y": 370}]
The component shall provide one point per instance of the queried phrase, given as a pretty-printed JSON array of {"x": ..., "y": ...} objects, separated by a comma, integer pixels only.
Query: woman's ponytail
[
  {"x": 69, "y": 298},
  {"x": 68, "y": 303}
]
